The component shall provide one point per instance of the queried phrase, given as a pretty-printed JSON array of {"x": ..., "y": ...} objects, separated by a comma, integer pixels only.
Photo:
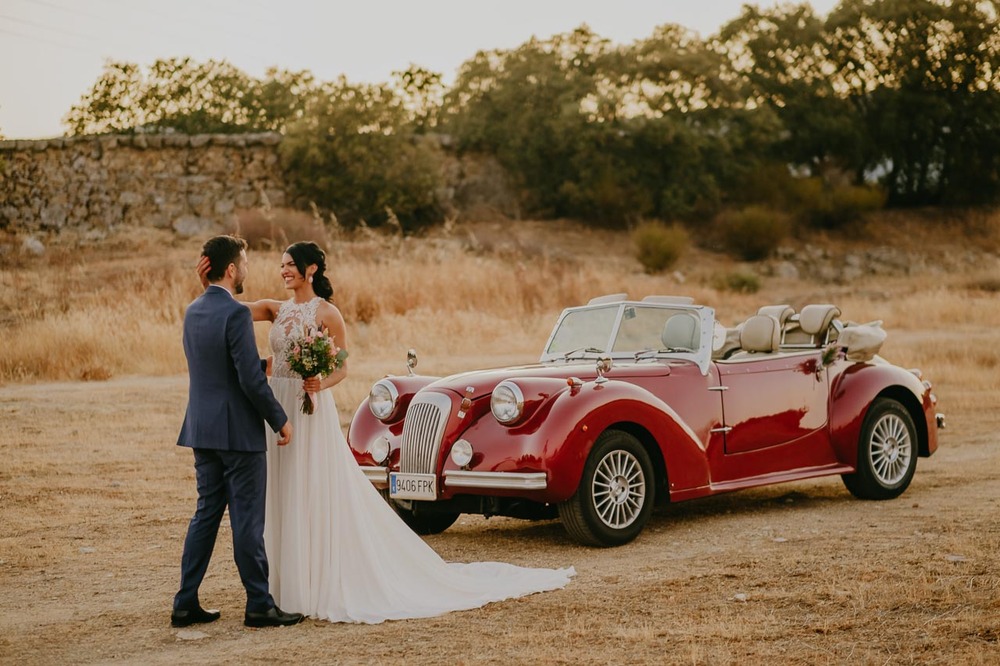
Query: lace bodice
[{"x": 292, "y": 317}]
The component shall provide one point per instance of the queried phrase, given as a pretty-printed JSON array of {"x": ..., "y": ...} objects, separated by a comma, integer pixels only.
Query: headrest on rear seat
[
  {"x": 816, "y": 319},
  {"x": 779, "y": 312}
]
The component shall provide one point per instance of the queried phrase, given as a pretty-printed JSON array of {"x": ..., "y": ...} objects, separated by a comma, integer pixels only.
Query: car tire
[
  {"x": 887, "y": 452},
  {"x": 614, "y": 500},
  {"x": 422, "y": 522}
]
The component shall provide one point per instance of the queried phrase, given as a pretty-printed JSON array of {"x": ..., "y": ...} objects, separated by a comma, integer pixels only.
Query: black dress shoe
[
  {"x": 197, "y": 615},
  {"x": 272, "y": 618}
]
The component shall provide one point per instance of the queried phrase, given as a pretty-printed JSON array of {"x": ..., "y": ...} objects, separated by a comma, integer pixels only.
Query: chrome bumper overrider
[
  {"x": 498, "y": 480},
  {"x": 377, "y": 475}
]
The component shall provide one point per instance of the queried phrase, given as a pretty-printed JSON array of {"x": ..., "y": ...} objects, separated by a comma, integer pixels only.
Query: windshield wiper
[
  {"x": 648, "y": 353},
  {"x": 585, "y": 350}
]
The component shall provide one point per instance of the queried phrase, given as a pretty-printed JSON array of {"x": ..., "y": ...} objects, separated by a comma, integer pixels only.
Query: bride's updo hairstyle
[{"x": 305, "y": 254}]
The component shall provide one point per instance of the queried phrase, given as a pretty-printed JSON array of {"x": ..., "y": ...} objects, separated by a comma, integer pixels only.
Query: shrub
[
  {"x": 278, "y": 228},
  {"x": 658, "y": 247},
  {"x": 832, "y": 207},
  {"x": 740, "y": 282},
  {"x": 990, "y": 285},
  {"x": 353, "y": 153},
  {"x": 754, "y": 232}
]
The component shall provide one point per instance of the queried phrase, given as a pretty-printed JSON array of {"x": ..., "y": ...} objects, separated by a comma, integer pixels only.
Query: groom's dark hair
[{"x": 222, "y": 251}]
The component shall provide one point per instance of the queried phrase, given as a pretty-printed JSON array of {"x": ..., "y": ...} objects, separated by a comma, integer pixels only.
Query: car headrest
[
  {"x": 760, "y": 333},
  {"x": 816, "y": 319},
  {"x": 779, "y": 312},
  {"x": 681, "y": 330}
]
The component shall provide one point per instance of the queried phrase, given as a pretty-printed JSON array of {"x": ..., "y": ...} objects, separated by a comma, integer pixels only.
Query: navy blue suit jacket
[{"x": 229, "y": 398}]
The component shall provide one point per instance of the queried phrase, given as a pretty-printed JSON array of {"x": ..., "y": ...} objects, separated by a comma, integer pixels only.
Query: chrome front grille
[{"x": 422, "y": 433}]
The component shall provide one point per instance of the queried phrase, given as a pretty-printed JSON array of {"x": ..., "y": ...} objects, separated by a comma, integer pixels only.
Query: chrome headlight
[
  {"x": 461, "y": 453},
  {"x": 382, "y": 399},
  {"x": 379, "y": 449},
  {"x": 507, "y": 402}
]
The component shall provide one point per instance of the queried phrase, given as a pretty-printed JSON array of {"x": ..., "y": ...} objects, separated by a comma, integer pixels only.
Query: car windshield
[
  {"x": 583, "y": 329},
  {"x": 649, "y": 329},
  {"x": 657, "y": 329}
]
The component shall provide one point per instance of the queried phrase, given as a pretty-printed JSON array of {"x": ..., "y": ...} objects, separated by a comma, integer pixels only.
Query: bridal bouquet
[{"x": 313, "y": 352}]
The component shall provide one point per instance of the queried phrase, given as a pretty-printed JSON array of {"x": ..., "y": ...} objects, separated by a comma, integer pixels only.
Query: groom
[{"x": 228, "y": 402}]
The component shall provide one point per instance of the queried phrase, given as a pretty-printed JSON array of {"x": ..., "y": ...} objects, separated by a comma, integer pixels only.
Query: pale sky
[{"x": 52, "y": 51}]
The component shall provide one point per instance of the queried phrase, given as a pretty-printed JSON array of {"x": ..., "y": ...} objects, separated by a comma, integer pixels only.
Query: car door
[{"x": 772, "y": 400}]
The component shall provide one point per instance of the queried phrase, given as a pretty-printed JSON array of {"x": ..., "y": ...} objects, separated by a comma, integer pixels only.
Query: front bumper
[
  {"x": 379, "y": 477},
  {"x": 457, "y": 478}
]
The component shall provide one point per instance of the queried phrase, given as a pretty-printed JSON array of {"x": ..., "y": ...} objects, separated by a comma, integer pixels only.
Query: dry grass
[
  {"x": 114, "y": 308},
  {"x": 94, "y": 497}
]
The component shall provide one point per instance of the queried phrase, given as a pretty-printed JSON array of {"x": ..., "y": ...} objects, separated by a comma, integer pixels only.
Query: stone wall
[{"x": 189, "y": 183}]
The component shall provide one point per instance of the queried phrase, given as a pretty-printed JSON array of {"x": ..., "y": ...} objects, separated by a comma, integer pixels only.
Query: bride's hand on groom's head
[{"x": 202, "y": 269}]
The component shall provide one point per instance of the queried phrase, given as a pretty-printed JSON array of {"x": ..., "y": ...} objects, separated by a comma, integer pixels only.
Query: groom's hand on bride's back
[{"x": 285, "y": 434}]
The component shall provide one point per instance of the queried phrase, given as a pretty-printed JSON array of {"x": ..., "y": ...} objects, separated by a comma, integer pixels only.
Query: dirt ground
[{"x": 95, "y": 499}]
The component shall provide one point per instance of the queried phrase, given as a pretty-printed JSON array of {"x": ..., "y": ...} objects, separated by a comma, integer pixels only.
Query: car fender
[
  {"x": 578, "y": 416},
  {"x": 855, "y": 388},
  {"x": 365, "y": 427}
]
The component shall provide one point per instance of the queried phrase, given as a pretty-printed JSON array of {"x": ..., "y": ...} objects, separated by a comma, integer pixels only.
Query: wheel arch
[
  {"x": 855, "y": 389},
  {"x": 652, "y": 447},
  {"x": 905, "y": 397}
]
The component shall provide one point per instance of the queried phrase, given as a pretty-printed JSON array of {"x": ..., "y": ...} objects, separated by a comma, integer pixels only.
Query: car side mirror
[{"x": 411, "y": 361}]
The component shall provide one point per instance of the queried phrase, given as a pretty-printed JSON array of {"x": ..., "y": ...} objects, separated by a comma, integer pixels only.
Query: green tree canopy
[
  {"x": 180, "y": 95},
  {"x": 354, "y": 153}
]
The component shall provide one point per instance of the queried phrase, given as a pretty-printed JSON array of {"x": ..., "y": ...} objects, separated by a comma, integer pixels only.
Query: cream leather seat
[
  {"x": 759, "y": 335},
  {"x": 779, "y": 312},
  {"x": 681, "y": 332},
  {"x": 814, "y": 326}
]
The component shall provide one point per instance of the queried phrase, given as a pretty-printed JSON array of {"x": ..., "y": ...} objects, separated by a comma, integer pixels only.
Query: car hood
[{"x": 484, "y": 381}]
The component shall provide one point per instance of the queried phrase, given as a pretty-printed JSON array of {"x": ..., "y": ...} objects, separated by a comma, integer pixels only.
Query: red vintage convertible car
[{"x": 638, "y": 401}]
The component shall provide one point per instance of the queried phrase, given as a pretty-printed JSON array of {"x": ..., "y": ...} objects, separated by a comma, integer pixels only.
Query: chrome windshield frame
[{"x": 702, "y": 357}]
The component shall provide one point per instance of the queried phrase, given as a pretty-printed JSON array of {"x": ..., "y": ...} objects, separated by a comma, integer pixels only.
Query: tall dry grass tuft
[{"x": 270, "y": 229}]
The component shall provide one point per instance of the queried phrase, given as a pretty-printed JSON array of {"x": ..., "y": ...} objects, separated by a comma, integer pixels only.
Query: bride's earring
[{"x": 310, "y": 279}]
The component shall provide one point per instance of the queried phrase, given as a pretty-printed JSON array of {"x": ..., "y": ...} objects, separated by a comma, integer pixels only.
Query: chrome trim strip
[
  {"x": 377, "y": 475},
  {"x": 455, "y": 478}
]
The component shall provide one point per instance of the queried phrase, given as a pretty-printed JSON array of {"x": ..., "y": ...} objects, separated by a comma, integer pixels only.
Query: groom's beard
[{"x": 238, "y": 288}]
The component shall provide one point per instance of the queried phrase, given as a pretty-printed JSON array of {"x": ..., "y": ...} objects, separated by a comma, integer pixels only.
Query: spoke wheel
[
  {"x": 615, "y": 497},
  {"x": 891, "y": 449},
  {"x": 887, "y": 452},
  {"x": 619, "y": 489}
]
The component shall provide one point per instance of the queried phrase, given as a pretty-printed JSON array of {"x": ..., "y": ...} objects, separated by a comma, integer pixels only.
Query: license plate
[{"x": 413, "y": 486}]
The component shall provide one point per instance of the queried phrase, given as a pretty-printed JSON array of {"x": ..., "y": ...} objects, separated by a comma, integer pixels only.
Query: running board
[
  {"x": 780, "y": 477},
  {"x": 769, "y": 479}
]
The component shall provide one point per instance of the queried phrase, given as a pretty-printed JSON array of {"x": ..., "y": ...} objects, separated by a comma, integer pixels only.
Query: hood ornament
[{"x": 604, "y": 365}]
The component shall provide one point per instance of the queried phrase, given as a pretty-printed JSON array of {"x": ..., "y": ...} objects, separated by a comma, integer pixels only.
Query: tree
[
  {"x": 180, "y": 95},
  {"x": 422, "y": 93},
  {"x": 524, "y": 106},
  {"x": 353, "y": 152},
  {"x": 780, "y": 58}
]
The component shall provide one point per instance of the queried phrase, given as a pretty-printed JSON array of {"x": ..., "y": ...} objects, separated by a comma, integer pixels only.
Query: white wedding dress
[{"x": 336, "y": 550}]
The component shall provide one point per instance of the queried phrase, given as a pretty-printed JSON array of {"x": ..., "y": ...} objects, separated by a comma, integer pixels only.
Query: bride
[{"x": 336, "y": 550}]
